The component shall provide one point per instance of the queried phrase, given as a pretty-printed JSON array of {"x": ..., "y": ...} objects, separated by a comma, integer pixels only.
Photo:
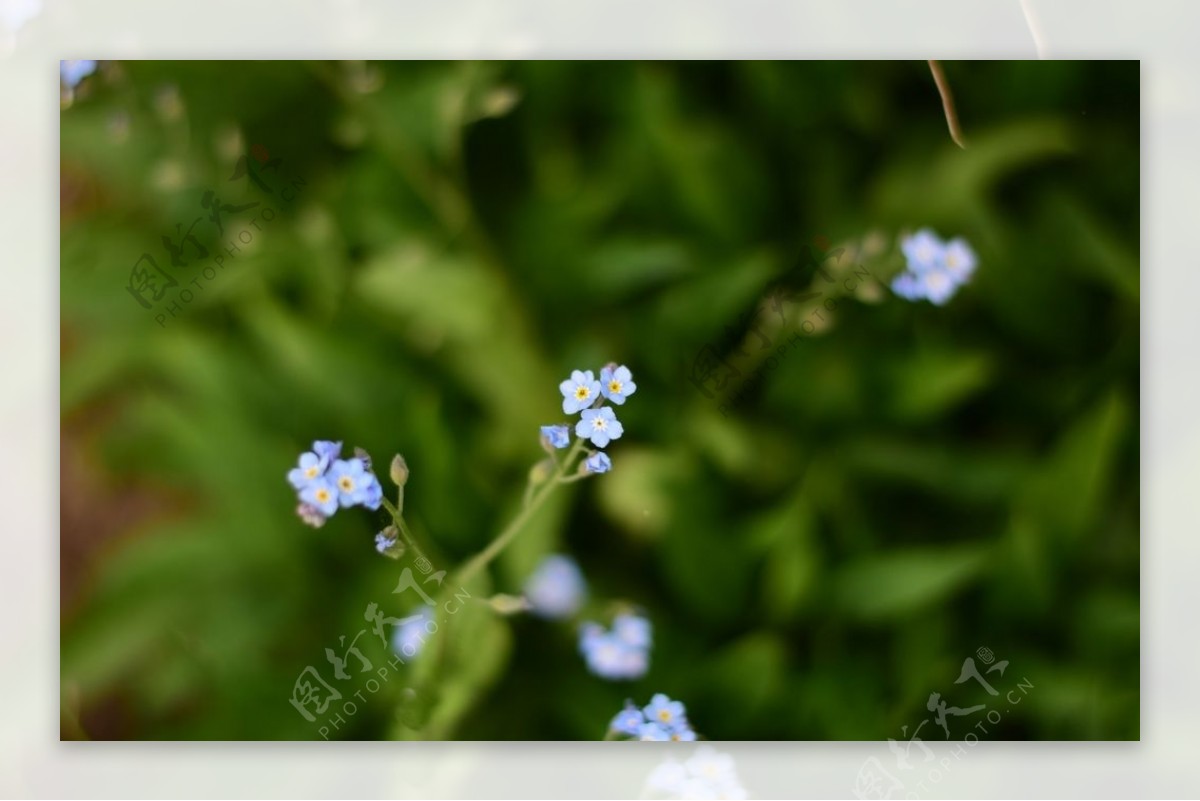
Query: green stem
[{"x": 510, "y": 532}]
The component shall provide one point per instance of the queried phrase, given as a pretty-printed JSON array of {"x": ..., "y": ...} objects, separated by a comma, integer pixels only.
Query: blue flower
[
  {"x": 959, "y": 259},
  {"x": 610, "y": 657},
  {"x": 320, "y": 494},
  {"x": 616, "y": 383},
  {"x": 327, "y": 450},
  {"x": 632, "y": 630},
  {"x": 351, "y": 479},
  {"x": 557, "y": 436},
  {"x": 628, "y": 721},
  {"x": 669, "y": 714},
  {"x": 372, "y": 492},
  {"x": 384, "y": 542},
  {"x": 935, "y": 270},
  {"x": 556, "y": 589},
  {"x": 409, "y": 637},
  {"x": 652, "y": 732},
  {"x": 72, "y": 72},
  {"x": 579, "y": 391},
  {"x": 598, "y": 462},
  {"x": 312, "y": 466},
  {"x": 923, "y": 250},
  {"x": 600, "y": 426}
]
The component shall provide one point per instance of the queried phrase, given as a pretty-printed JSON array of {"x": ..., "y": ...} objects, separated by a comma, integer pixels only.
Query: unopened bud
[
  {"x": 541, "y": 471},
  {"x": 508, "y": 604},
  {"x": 399, "y": 471},
  {"x": 359, "y": 453}
]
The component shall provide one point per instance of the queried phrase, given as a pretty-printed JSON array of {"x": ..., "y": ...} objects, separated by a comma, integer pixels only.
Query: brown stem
[{"x": 939, "y": 78}]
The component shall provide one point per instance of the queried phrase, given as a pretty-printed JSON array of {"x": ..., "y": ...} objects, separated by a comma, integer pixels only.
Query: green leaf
[{"x": 904, "y": 581}]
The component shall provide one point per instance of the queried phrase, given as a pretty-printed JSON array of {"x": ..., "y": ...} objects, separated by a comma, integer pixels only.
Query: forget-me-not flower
[
  {"x": 935, "y": 269},
  {"x": 320, "y": 494},
  {"x": 665, "y": 712},
  {"x": 579, "y": 391},
  {"x": 557, "y": 436},
  {"x": 609, "y": 656},
  {"x": 351, "y": 478},
  {"x": 598, "y": 462},
  {"x": 628, "y": 721},
  {"x": 652, "y": 732},
  {"x": 409, "y": 637},
  {"x": 327, "y": 450},
  {"x": 632, "y": 630},
  {"x": 311, "y": 467},
  {"x": 616, "y": 383},
  {"x": 556, "y": 588},
  {"x": 599, "y": 425}
]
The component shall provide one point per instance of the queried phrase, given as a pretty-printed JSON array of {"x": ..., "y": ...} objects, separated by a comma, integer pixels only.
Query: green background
[{"x": 904, "y": 485}]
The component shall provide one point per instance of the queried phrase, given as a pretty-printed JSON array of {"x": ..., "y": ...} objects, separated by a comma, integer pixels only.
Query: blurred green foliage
[{"x": 906, "y": 485}]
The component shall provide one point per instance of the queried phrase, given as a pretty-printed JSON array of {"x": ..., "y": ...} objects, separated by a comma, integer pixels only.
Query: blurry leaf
[
  {"x": 904, "y": 581},
  {"x": 639, "y": 493},
  {"x": 1067, "y": 487},
  {"x": 930, "y": 382}
]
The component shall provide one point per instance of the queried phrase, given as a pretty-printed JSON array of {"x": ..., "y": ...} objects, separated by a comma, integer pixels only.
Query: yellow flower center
[
  {"x": 346, "y": 483},
  {"x": 614, "y": 387},
  {"x": 582, "y": 393},
  {"x": 322, "y": 495},
  {"x": 599, "y": 423},
  {"x": 311, "y": 472},
  {"x": 664, "y": 715}
]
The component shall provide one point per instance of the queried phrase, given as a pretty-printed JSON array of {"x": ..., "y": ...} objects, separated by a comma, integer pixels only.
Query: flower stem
[{"x": 510, "y": 532}]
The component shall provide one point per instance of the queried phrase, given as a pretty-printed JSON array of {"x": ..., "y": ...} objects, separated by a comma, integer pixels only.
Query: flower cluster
[
  {"x": 935, "y": 269},
  {"x": 325, "y": 483},
  {"x": 706, "y": 774},
  {"x": 621, "y": 653},
  {"x": 556, "y": 589},
  {"x": 661, "y": 719},
  {"x": 585, "y": 396}
]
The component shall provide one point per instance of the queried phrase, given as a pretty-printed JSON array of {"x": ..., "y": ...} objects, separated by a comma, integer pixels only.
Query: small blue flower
[
  {"x": 652, "y": 732},
  {"x": 351, "y": 479},
  {"x": 408, "y": 639},
  {"x": 312, "y": 466},
  {"x": 667, "y": 713},
  {"x": 327, "y": 450},
  {"x": 610, "y": 657},
  {"x": 557, "y": 436},
  {"x": 556, "y": 589},
  {"x": 628, "y": 721},
  {"x": 319, "y": 493},
  {"x": 632, "y": 630},
  {"x": 598, "y": 462},
  {"x": 384, "y": 542},
  {"x": 73, "y": 72},
  {"x": 616, "y": 383},
  {"x": 579, "y": 391},
  {"x": 935, "y": 269},
  {"x": 923, "y": 250},
  {"x": 372, "y": 492},
  {"x": 959, "y": 259},
  {"x": 600, "y": 426}
]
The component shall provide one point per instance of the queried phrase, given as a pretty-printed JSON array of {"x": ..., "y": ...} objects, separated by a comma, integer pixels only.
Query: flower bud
[
  {"x": 541, "y": 471},
  {"x": 388, "y": 543},
  {"x": 399, "y": 470},
  {"x": 359, "y": 453},
  {"x": 508, "y": 604}
]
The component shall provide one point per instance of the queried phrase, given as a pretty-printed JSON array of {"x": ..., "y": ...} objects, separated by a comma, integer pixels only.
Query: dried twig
[{"x": 947, "y": 103}]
